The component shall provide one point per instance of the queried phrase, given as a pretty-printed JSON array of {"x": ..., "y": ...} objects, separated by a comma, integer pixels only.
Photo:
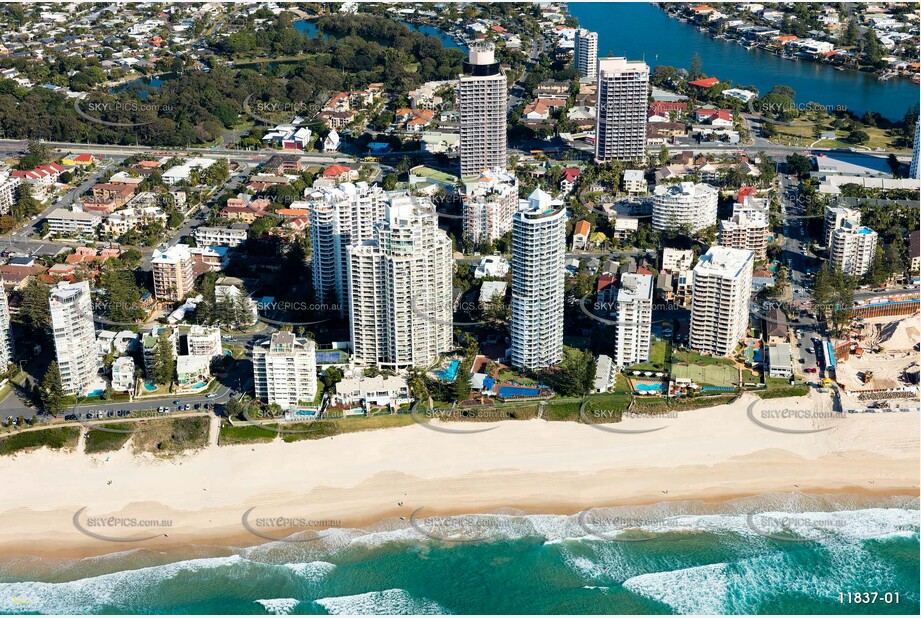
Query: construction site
[{"x": 882, "y": 367}]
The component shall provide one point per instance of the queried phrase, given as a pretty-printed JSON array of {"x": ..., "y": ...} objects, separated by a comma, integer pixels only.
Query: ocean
[{"x": 778, "y": 553}]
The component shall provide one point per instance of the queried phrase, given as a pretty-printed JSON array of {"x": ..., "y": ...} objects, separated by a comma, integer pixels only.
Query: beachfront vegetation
[
  {"x": 101, "y": 441},
  {"x": 171, "y": 436},
  {"x": 244, "y": 434},
  {"x": 56, "y": 438}
]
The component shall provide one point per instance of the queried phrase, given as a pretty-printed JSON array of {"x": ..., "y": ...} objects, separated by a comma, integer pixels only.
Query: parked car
[
  {"x": 176, "y": 402},
  {"x": 198, "y": 406},
  {"x": 211, "y": 396},
  {"x": 70, "y": 417}
]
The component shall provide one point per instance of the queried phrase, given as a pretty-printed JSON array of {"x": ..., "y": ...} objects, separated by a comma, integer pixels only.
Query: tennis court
[{"x": 717, "y": 375}]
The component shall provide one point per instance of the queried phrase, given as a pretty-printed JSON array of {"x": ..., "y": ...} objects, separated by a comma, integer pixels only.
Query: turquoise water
[
  {"x": 149, "y": 386},
  {"x": 518, "y": 391},
  {"x": 96, "y": 393},
  {"x": 625, "y": 28},
  {"x": 649, "y": 387},
  {"x": 699, "y": 559},
  {"x": 450, "y": 372}
]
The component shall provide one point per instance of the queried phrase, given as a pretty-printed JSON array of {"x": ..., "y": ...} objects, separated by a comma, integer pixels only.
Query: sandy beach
[{"x": 356, "y": 479}]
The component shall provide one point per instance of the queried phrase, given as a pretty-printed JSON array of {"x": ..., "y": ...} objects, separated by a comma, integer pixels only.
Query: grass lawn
[
  {"x": 658, "y": 358},
  {"x": 54, "y": 438},
  {"x": 802, "y": 134},
  {"x": 787, "y": 391},
  {"x": 244, "y": 434},
  {"x": 102, "y": 441},
  {"x": 750, "y": 376}
]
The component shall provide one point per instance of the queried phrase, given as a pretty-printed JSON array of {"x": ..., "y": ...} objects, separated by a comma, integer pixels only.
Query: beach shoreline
[{"x": 359, "y": 480}]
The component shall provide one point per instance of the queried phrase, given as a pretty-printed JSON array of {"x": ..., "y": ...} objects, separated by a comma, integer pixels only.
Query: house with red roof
[
  {"x": 715, "y": 117},
  {"x": 568, "y": 178},
  {"x": 706, "y": 82},
  {"x": 42, "y": 178},
  {"x": 340, "y": 173},
  {"x": 580, "y": 235}
]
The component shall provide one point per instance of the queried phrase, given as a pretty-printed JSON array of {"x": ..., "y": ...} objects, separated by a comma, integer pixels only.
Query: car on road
[
  {"x": 187, "y": 407},
  {"x": 176, "y": 402},
  {"x": 211, "y": 396},
  {"x": 198, "y": 406},
  {"x": 70, "y": 417}
]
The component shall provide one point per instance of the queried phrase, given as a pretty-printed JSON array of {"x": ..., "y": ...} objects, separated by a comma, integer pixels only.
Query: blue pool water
[
  {"x": 199, "y": 385},
  {"x": 448, "y": 374},
  {"x": 96, "y": 393},
  {"x": 717, "y": 389},
  {"x": 518, "y": 391},
  {"x": 148, "y": 386},
  {"x": 649, "y": 388}
]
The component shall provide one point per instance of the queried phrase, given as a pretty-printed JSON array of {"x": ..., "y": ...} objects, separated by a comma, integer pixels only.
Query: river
[{"x": 641, "y": 30}]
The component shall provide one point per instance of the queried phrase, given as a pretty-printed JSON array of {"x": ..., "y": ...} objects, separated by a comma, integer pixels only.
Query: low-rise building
[
  {"x": 381, "y": 391},
  {"x": 123, "y": 374},
  {"x": 192, "y": 372},
  {"x": 780, "y": 361},
  {"x": 635, "y": 182},
  {"x": 204, "y": 341},
  {"x": 221, "y": 236},
  {"x": 73, "y": 223},
  {"x": 605, "y": 374},
  {"x": 491, "y": 266}
]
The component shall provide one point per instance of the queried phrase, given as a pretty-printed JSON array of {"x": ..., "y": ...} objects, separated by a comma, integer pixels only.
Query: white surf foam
[
  {"x": 279, "y": 607},
  {"x": 696, "y": 590},
  {"x": 394, "y": 602}
]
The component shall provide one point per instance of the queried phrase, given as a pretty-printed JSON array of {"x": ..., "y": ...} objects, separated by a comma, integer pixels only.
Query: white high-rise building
[
  {"x": 853, "y": 247},
  {"x": 633, "y": 320},
  {"x": 686, "y": 206},
  {"x": 719, "y": 304},
  {"x": 747, "y": 228},
  {"x": 339, "y": 217},
  {"x": 585, "y": 54},
  {"x": 6, "y": 331},
  {"x": 490, "y": 200},
  {"x": 400, "y": 283},
  {"x": 835, "y": 217},
  {"x": 285, "y": 370},
  {"x": 74, "y": 335},
  {"x": 482, "y": 95},
  {"x": 915, "y": 173},
  {"x": 620, "y": 110},
  {"x": 538, "y": 253},
  {"x": 173, "y": 276}
]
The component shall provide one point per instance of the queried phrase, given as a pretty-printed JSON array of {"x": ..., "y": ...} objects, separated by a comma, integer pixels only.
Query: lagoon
[{"x": 640, "y": 30}]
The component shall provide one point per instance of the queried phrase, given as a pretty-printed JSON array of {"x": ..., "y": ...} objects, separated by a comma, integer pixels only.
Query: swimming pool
[
  {"x": 518, "y": 391},
  {"x": 448, "y": 374},
  {"x": 96, "y": 393},
  {"x": 199, "y": 385},
  {"x": 649, "y": 388},
  {"x": 149, "y": 386}
]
